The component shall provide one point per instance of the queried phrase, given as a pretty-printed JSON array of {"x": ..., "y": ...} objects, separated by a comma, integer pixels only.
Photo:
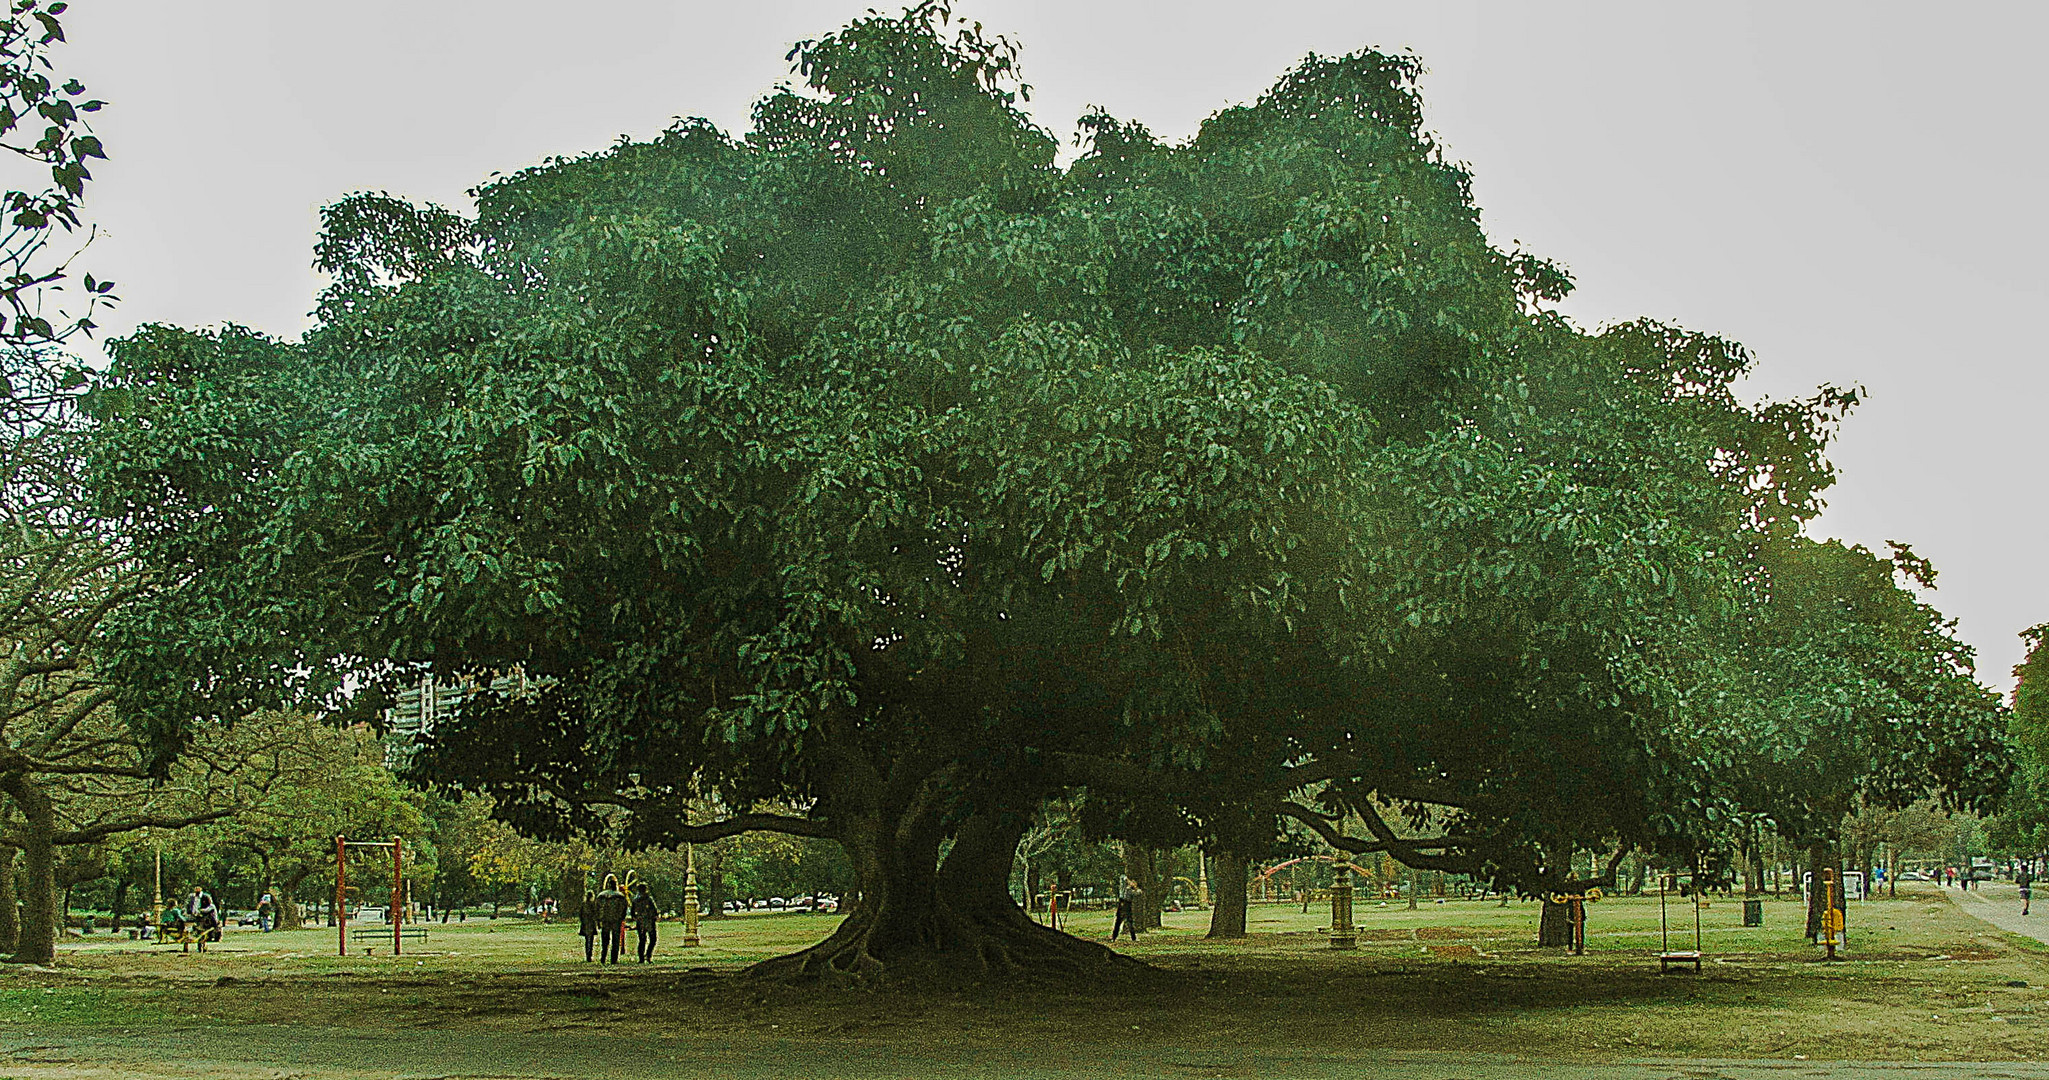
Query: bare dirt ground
[{"x": 1446, "y": 991}]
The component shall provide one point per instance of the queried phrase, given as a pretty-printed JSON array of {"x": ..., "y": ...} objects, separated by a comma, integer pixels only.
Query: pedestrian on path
[
  {"x": 587, "y": 922},
  {"x": 611, "y": 921},
  {"x": 645, "y": 916},
  {"x": 2026, "y": 880}
]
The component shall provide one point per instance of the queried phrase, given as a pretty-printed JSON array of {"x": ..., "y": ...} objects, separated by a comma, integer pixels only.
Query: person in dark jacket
[
  {"x": 645, "y": 916},
  {"x": 587, "y": 922},
  {"x": 1128, "y": 897},
  {"x": 611, "y": 921}
]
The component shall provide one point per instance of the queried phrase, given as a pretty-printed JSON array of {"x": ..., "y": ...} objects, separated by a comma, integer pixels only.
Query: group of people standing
[{"x": 603, "y": 915}]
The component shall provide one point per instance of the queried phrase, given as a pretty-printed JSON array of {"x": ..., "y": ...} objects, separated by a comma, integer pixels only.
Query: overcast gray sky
[{"x": 1854, "y": 190}]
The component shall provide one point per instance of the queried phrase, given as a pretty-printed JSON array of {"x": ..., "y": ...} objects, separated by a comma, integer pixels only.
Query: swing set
[
  {"x": 395, "y": 914},
  {"x": 1668, "y": 957}
]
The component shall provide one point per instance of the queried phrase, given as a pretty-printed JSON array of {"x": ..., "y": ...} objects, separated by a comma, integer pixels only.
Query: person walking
[
  {"x": 587, "y": 922},
  {"x": 645, "y": 916},
  {"x": 2025, "y": 878},
  {"x": 265, "y": 909},
  {"x": 1127, "y": 903},
  {"x": 612, "y": 908}
]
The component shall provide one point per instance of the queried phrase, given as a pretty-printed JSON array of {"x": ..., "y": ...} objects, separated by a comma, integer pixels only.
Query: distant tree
[
  {"x": 1856, "y": 694},
  {"x": 2022, "y": 825},
  {"x": 329, "y": 782}
]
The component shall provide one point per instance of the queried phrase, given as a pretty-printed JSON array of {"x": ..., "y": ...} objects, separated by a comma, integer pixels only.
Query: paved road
[
  {"x": 1999, "y": 903},
  {"x": 246, "y": 1052}
]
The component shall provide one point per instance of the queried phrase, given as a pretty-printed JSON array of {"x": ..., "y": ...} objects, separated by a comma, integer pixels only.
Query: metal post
[
  {"x": 1201, "y": 879},
  {"x": 1342, "y": 934},
  {"x": 690, "y": 936},
  {"x": 397, "y": 909},
  {"x": 157, "y": 900},
  {"x": 341, "y": 892}
]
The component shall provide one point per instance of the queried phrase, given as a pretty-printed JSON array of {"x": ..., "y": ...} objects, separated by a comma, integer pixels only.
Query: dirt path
[{"x": 271, "y": 1052}]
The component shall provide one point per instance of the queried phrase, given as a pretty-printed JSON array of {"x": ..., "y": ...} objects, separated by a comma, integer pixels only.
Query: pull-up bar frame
[{"x": 395, "y": 914}]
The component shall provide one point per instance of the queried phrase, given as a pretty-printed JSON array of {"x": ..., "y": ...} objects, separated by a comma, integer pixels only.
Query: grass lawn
[{"x": 1921, "y": 981}]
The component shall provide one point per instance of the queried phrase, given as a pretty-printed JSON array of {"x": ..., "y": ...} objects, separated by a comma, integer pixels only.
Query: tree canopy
[{"x": 876, "y": 465}]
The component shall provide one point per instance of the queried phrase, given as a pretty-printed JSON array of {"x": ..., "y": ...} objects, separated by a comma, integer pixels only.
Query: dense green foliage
[
  {"x": 2022, "y": 827},
  {"x": 876, "y": 465}
]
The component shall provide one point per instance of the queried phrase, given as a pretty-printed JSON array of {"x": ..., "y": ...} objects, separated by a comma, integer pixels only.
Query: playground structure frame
[{"x": 395, "y": 914}]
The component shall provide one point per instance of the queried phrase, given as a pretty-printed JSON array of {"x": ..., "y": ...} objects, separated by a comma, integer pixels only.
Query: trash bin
[{"x": 1753, "y": 913}]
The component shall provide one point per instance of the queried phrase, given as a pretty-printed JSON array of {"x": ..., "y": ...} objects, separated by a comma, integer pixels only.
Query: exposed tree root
[{"x": 950, "y": 947}]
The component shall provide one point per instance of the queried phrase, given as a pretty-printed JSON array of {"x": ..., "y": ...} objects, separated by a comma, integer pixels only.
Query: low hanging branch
[
  {"x": 93, "y": 834},
  {"x": 1409, "y": 852}
]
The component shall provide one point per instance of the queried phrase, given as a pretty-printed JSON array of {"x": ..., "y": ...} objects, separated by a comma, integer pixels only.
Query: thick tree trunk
[
  {"x": 1554, "y": 926},
  {"x": 37, "y": 943},
  {"x": 286, "y": 895},
  {"x": 10, "y": 908},
  {"x": 1227, "y": 893},
  {"x": 1140, "y": 866},
  {"x": 120, "y": 903},
  {"x": 918, "y": 920},
  {"x": 1821, "y": 856}
]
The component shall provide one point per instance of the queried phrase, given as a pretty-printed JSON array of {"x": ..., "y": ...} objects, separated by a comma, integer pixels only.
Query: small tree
[{"x": 327, "y": 782}]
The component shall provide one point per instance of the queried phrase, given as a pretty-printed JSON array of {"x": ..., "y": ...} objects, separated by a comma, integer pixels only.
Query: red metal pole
[
  {"x": 398, "y": 866},
  {"x": 341, "y": 894}
]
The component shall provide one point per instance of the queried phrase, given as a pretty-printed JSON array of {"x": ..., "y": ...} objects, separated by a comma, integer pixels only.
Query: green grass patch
[{"x": 26, "y": 1006}]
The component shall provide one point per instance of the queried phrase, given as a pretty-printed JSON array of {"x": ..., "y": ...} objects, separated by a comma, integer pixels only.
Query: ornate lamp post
[
  {"x": 691, "y": 939},
  {"x": 1342, "y": 934}
]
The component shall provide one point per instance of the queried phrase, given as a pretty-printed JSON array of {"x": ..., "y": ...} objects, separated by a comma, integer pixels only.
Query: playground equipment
[
  {"x": 1831, "y": 913},
  {"x": 395, "y": 914},
  {"x": 1265, "y": 878},
  {"x": 1667, "y": 956},
  {"x": 1576, "y": 911}
]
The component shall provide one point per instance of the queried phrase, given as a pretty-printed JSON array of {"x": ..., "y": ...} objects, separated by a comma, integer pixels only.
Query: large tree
[
  {"x": 59, "y": 572},
  {"x": 873, "y": 465}
]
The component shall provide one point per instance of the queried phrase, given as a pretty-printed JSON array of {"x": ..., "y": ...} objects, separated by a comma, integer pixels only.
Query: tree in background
[
  {"x": 1860, "y": 695},
  {"x": 328, "y": 782},
  {"x": 2022, "y": 825}
]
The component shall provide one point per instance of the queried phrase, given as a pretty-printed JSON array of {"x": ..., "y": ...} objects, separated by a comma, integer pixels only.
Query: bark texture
[
  {"x": 1141, "y": 867},
  {"x": 919, "y": 920},
  {"x": 1554, "y": 926},
  {"x": 1227, "y": 895},
  {"x": 289, "y": 916},
  {"x": 37, "y": 943},
  {"x": 10, "y": 908}
]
